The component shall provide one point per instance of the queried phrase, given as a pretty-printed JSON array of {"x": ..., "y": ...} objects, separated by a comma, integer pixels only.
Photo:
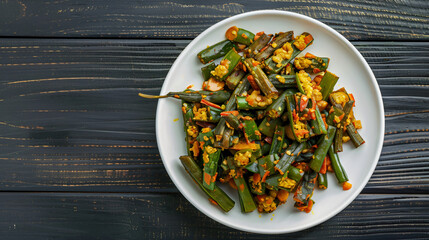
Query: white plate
[{"x": 355, "y": 75}]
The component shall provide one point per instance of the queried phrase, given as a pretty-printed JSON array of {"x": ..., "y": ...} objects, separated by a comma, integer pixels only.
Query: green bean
[
  {"x": 232, "y": 120},
  {"x": 226, "y": 141},
  {"x": 277, "y": 108},
  {"x": 318, "y": 125},
  {"x": 305, "y": 189},
  {"x": 188, "y": 114},
  {"x": 242, "y": 87},
  {"x": 338, "y": 141},
  {"x": 266, "y": 164},
  {"x": 292, "y": 173}
]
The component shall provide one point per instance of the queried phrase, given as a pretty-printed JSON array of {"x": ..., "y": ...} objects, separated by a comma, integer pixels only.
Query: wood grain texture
[
  {"x": 356, "y": 19},
  {"x": 170, "y": 216},
  {"x": 74, "y": 122}
]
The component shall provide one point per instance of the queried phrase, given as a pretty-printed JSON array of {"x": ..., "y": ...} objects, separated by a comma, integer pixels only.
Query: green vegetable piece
[
  {"x": 274, "y": 67},
  {"x": 305, "y": 189},
  {"x": 240, "y": 35},
  {"x": 339, "y": 171},
  {"x": 277, "y": 81},
  {"x": 277, "y": 42},
  {"x": 354, "y": 135},
  {"x": 327, "y": 84},
  {"x": 234, "y": 78},
  {"x": 268, "y": 126},
  {"x": 257, "y": 45},
  {"x": 242, "y": 104},
  {"x": 246, "y": 200},
  {"x": 291, "y": 154},
  {"x": 206, "y": 71},
  {"x": 278, "y": 139},
  {"x": 311, "y": 64},
  {"x": 232, "y": 58},
  {"x": 211, "y": 161},
  {"x": 261, "y": 78},
  {"x": 276, "y": 109},
  {"x": 251, "y": 132},
  {"x": 322, "y": 149},
  {"x": 318, "y": 125},
  {"x": 217, "y": 194},
  {"x": 322, "y": 180},
  {"x": 216, "y": 51}
]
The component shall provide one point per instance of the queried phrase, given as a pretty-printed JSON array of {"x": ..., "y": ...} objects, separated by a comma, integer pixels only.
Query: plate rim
[{"x": 378, "y": 97}]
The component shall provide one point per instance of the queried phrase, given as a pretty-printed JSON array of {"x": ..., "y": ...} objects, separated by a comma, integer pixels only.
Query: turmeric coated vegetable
[{"x": 274, "y": 130}]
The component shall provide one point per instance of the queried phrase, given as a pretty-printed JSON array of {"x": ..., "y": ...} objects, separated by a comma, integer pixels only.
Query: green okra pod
[
  {"x": 354, "y": 135},
  {"x": 251, "y": 132},
  {"x": 226, "y": 66},
  {"x": 339, "y": 171},
  {"x": 215, "y": 51},
  {"x": 206, "y": 71},
  {"x": 257, "y": 45},
  {"x": 311, "y": 63},
  {"x": 322, "y": 149},
  {"x": 327, "y": 84},
  {"x": 268, "y": 126},
  {"x": 234, "y": 78},
  {"x": 211, "y": 159},
  {"x": 289, "y": 51},
  {"x": 217, "y": 194},
  {"x": 261, "y": 78},
  {"x": 278, "y": 140},
  {"x": 240, "y": 35},
  {"x": 246, "y": 200},
  {"x": 283, "y": 81},
  {"x": 275, "y": 44}
]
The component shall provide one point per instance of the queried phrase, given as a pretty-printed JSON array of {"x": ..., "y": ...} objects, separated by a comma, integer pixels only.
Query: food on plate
[{"x": 267, "y": 121}]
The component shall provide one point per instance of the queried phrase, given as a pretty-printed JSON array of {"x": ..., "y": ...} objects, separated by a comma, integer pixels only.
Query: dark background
[{"x": 78, "y": 153}]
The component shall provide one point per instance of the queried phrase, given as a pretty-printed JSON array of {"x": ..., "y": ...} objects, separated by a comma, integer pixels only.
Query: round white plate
[{"x": 355, "y": 75}]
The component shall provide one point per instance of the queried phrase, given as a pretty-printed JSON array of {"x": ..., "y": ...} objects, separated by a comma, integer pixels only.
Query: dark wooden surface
[{"x": 78, "y": 151}]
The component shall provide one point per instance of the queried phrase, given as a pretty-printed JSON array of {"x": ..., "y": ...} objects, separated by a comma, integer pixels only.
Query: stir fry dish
[{"x": 267, "y": 121}]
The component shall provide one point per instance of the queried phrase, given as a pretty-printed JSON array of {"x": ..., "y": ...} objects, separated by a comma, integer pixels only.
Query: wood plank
[
  {"x": 73, "y": 121},
  {"x": 356, "y": 20},
  {"x": 170, "y": 216}
]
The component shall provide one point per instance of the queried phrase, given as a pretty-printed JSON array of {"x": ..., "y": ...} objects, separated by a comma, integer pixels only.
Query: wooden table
[{"x": 77, "y": 147}]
